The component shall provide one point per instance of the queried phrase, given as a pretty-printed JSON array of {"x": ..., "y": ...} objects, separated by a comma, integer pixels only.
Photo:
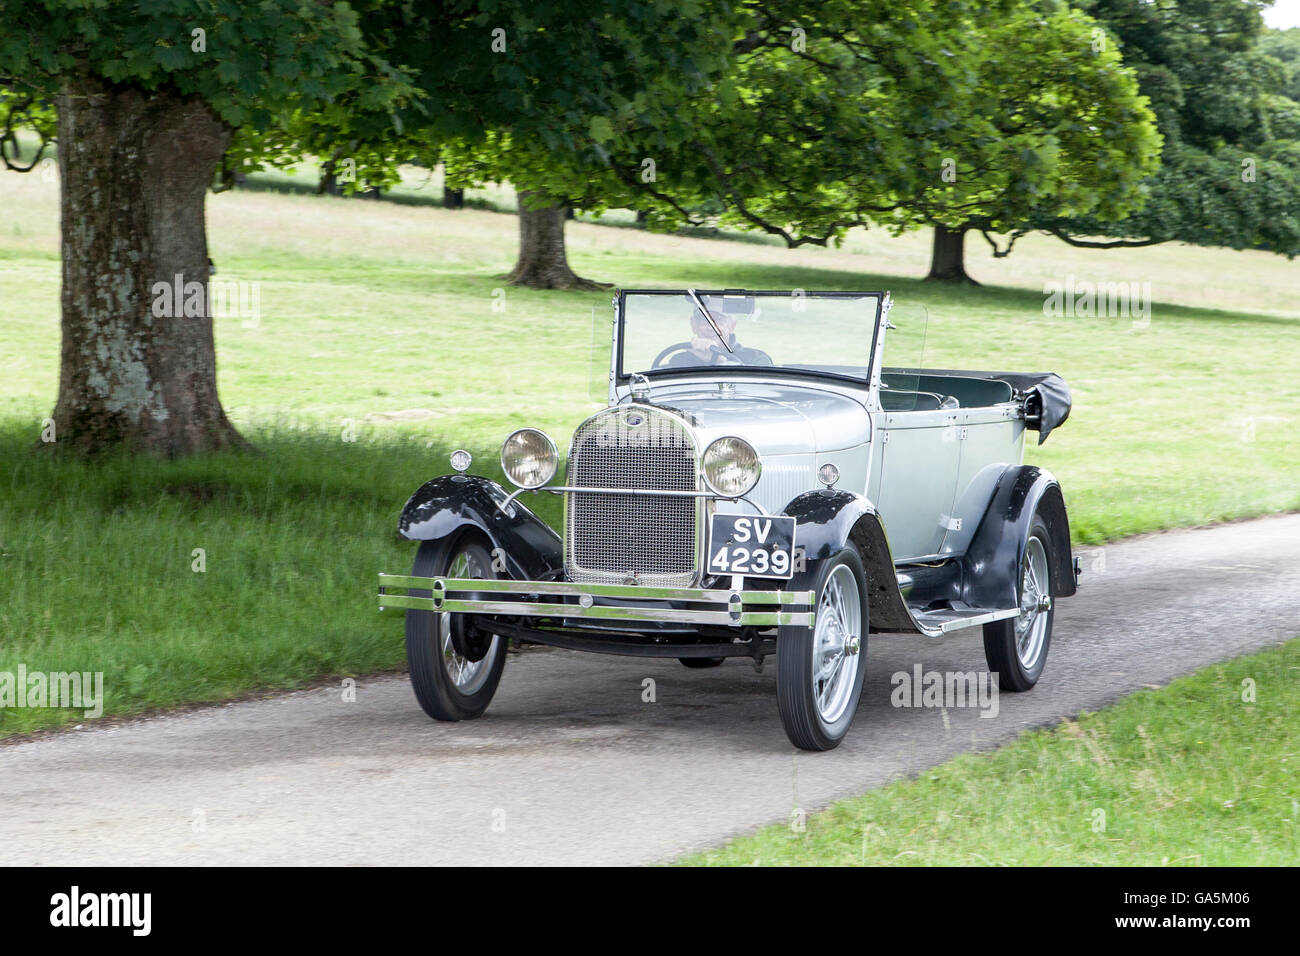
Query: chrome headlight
[
  {"x": 528, "y": 458},
  {"x": 731, "y": 466}
]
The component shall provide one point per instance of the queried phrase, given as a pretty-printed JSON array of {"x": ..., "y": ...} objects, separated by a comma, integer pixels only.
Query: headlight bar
[{"x": 640, "y": 492}]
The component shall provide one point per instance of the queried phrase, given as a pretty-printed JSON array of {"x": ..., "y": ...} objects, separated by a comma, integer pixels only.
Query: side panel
[
  {"x": 992, "y": 563},
  {"x": 918, "y": 480},
  {"x": 446, "y": 505},
  {"x": 987, "y": 448}
]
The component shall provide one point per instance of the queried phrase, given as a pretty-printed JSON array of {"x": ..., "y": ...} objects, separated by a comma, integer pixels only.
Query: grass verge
[
  {"x": 1191, "y": 774},
  {"x": 203, "y": 579}
]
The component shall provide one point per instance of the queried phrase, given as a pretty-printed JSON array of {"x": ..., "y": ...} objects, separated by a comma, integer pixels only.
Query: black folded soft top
[{"x": 1046, "y": 396}]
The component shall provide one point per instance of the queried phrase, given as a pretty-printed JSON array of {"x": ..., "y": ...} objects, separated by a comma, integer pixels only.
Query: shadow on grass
[{"x": 931, "y": 294}]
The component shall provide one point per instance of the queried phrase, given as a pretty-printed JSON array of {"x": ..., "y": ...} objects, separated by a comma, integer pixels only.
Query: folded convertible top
[{"x": 1046, "y": 396}]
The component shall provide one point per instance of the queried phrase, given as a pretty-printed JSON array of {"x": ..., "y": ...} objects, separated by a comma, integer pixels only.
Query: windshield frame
[{"x": 622, "y": 377}]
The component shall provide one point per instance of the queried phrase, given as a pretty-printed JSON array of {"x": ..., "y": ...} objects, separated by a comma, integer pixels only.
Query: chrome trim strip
[
  {"x": 444, "y": 589},
  {"x": 634, "y": 591},
  {"x": 960, "y": 623},
  {"x": 641, "y": 492}
]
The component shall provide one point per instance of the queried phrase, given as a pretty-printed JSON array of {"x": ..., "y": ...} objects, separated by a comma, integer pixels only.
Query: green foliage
[
  {"x": 1228, "y": 175},
  {"x": 536, "y": 94},
  {"x": 1284, "y": 46},
  {"x": 250, "y": 61},
  {"x": 843, "y": 113}
]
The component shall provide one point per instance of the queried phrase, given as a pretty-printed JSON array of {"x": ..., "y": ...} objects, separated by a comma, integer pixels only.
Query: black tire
[
  {"x": 701, "y": 663},
  {"x": 1004, "y": 641},
  {"x": 435, "y": 686},
  {"x": 797, "y": 698}
]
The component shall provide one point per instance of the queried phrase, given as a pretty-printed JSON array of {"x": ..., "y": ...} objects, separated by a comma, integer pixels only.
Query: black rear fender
[{"x": 991, "y": 575}]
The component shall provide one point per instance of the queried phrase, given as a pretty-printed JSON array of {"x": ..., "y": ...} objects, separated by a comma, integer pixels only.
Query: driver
[{"x": 707, "y": 349}]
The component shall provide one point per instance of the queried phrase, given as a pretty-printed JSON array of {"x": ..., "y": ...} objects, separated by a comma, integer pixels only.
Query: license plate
[{"x": 760, "y": 546}]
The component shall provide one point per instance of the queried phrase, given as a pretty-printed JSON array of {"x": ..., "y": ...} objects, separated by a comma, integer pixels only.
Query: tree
[
  {"x": 960, "y": 115},
  {"x": 1284, "y": 46},
  {"x": 1228, "y": 175},
  {"x": 543, "y": 261},
  {"x": 149, "y": 98},
  {"x": 157, "y": 102},
  {"x": 586, "y": 72},
  {"x": 548, "y": 186}
]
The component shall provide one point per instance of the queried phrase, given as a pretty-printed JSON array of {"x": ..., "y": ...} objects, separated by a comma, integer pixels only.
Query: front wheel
[
  {"x": 820, "y": 670},
  {"x": 1016, "y": 648},
  {"x": 454, "y": 668}
]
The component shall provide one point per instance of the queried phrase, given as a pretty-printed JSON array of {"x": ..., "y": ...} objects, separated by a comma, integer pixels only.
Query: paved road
[{"x": 571, "y": 766}]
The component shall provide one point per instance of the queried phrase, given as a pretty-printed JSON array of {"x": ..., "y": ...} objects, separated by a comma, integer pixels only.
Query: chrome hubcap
[
  {"x": 468, "y": 676},
  {"x": 1035, "y": 605},
  {"x": 837, "y": 640}
]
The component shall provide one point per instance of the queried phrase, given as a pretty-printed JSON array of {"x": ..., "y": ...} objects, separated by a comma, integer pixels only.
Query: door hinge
[
  {"x": 950, "y": 523},
  {"x": 884, "y": 437}
]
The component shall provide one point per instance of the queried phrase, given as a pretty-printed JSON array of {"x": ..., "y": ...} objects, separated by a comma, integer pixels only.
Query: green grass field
[
  {"x": 377, "y": 324},
  {"x": 1192, "y": 774}
]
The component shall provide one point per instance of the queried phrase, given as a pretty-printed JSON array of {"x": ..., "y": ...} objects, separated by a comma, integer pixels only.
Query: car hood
[{"x": 775, "y": 419}]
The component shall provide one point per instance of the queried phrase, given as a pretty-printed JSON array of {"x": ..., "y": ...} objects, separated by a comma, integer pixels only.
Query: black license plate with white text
[{"x": 755, "y": 545}]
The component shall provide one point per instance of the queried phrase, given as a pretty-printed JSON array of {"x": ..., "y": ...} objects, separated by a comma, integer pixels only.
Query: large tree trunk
[
  {"x": 542, "y": 262},
  {"x": 136, "y": 370},
  {"x": 328, "y": 185},
  {"x": 453, "y": 198},
  {"x": 947, "y": 259}
]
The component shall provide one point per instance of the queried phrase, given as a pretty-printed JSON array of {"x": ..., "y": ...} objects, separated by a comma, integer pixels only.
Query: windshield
[{"x": 829, "y": 332}]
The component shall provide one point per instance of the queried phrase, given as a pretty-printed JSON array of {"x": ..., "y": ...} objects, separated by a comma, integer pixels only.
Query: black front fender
[
  {"x": 992, "y": 562},
  {"x": 444, "y": 507}
]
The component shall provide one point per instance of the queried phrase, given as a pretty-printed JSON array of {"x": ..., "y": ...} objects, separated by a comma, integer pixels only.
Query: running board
[{"x": 945, "y": 620}]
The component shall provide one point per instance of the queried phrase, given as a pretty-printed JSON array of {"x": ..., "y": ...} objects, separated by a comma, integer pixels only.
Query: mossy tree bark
[{"x": 137, "y": 368}]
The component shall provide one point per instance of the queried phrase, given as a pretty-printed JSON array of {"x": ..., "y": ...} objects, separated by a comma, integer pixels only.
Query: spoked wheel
[
  {"x": 454, "y": 668},
  {"x": 1016, "y": 648},
  {"x": 820, "y": 669}
]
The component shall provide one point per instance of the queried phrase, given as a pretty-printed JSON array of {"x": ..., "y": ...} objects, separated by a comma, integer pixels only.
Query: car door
[{"x": 920, "y": 451}]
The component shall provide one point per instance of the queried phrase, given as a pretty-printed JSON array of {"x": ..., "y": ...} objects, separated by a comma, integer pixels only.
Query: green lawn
[
  {"x": 1188, "y": 775},
  {"x": 377, "y": 322}
]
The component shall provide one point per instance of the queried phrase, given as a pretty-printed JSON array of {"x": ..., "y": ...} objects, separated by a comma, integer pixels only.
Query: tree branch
[
  {"x": 10, "y": 138},
  {"x": 1112, "y": 244}
]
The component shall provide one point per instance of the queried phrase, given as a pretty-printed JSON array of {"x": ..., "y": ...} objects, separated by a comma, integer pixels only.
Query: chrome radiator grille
[{"x": 611, "y": 538}]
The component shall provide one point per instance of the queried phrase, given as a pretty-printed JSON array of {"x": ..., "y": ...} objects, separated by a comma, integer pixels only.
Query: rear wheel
[
  {"x": 1016, "y": 648},
  {"x": 820, "y": 670},
  {"x": 454, "y": 668}
]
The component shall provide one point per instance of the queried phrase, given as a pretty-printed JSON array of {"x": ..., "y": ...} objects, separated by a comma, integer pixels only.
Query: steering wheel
[
  {"x": 758, "y": 356},
  {"x": 667, "y": 353}
]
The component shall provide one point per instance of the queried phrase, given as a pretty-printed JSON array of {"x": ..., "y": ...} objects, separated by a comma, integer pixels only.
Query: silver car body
[{"x": 922, "y": 452}]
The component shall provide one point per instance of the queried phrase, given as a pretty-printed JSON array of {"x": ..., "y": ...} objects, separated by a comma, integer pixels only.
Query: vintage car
[{"x": 761, "y": 483}]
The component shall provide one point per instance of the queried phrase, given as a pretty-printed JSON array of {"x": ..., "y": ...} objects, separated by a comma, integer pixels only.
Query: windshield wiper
[{"x": 709, "y": 318}]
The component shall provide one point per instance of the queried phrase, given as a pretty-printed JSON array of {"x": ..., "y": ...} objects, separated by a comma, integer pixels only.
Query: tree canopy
[
  {"x": 925, "y": 112},
  {"x": 1228, "y": 173}
]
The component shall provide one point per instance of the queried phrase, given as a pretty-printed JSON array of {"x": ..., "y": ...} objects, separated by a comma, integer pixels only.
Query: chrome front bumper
[{"x": 547, "y": 599}]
